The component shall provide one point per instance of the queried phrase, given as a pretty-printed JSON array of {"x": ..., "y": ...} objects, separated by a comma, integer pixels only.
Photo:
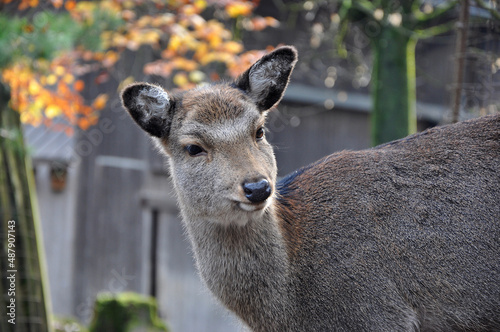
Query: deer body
[{"x": 401, "y": 237}]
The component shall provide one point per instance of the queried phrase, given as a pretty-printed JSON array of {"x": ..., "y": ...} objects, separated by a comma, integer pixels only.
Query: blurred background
[{"x": 91, "y": 200}]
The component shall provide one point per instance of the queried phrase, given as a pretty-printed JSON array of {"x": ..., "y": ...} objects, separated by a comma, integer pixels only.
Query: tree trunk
[
  {"x": 393, "y": 86},
  {"x": 21, "y": 251}
]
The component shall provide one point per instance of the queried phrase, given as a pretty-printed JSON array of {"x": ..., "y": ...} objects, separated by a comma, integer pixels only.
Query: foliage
[
  {"x": 394, "y": 29},
  {"x": 38, "y": 63},
  {"x": 43, "y": 54},
  {"x": 66, "y": 324},
  {"x": 126, "y": 312}
]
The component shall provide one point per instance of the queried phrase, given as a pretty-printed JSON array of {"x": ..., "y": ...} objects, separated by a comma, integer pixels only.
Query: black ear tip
[
  {"x": 131, "y": 91},
  {"x": 289, "y": 52}
]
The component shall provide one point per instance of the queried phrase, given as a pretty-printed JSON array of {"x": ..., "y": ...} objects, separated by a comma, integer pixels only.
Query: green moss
[
  {"x": 65, "y": 324},
  {"x": 126, "y": 312}
]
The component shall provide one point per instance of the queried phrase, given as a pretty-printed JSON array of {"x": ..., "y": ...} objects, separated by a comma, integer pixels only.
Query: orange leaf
[
  {"x": 70, "y": 5},
  {"x": 128, "y": 15},
  {"x": 79, "y": 85},
  {"x": 57, "y": 3},
  {"x": 110, "y": 58},
  {"x": 84, "y": 123}
]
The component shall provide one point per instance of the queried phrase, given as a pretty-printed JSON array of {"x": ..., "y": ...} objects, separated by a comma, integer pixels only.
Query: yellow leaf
[
  {"x": 100, "y": 102},
  {"x": 119, "y": 40},
  {"x": 110, "y": 58},
  {"x": 150, "y": 37},
  {"x": 181, "y": 79},
  {"x": 68, "y": 78},
  {"x": 144, "y": 21},
  {"x": 215, "y": 40},
  {"x": 129, "y": 4},
  {"x": 239, "y": 9},
  {"x": 51, "y": 79},
  {"x": 189, "y": 10},
  {"x": 59, "y": 70},
  {"x": 197, "y": 76},
  {"x": 174, "y": 43},
  {"x": 125, "y": 82},
  {"x": 52, "y": 111},
  {"x": 233, "y": 47},
  {"x": 200, "y": 4},
  {"x": 25, "y": 117},
  {"x": 201, "y": 51},
  {"x": 34, "y": 87},
  {"x": 185, "y": 64}
]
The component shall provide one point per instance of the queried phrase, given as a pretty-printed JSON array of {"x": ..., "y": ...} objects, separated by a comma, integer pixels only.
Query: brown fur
[
  {"x": 401, "y": 237},
  {"x": 220, "y": 104}
]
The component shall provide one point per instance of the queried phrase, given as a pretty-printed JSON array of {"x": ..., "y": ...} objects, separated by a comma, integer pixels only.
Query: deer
[{"x": 404, "y": 236}]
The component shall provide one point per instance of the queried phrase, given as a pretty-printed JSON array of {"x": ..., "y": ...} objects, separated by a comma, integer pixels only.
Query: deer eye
[
  {"x": 259, "y": 134},
  {"x": 195, "y": 150}
]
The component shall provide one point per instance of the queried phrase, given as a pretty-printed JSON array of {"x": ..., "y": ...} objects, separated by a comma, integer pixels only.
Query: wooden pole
[
  {"x": 23, "y": 261},
  {"x": 461, "y": 47}
]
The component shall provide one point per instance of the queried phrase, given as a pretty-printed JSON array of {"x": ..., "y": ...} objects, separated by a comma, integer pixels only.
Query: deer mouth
[{"x": 252, "y": 207}]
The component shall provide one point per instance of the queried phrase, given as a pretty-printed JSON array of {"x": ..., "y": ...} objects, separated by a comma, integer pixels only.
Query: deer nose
[{"x": 257, "y": 192}]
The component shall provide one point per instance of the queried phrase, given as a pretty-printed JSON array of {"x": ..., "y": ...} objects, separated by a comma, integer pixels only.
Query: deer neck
[{"x": 246, "y": 267}]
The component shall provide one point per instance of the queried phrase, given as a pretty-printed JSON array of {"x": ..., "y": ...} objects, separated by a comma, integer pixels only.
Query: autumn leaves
[{"x": 197, "y": 41}]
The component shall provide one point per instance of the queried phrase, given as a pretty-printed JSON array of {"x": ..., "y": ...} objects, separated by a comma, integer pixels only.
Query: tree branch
[
  {"x": 366, "y": 7},
  {"x": 363, "y": 7},
  {"x": 492, "y": 11},
  {"x": 435, "y": 30},
  {"x": 351, "y": 11},
  {"x": 423, "y": 18}
]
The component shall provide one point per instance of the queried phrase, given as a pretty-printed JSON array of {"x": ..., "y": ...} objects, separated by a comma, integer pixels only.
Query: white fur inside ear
[
  {"x": 154, "y": 100},
  {"x": 268, "y": 75},
  {"x": 265, "y": 75}
]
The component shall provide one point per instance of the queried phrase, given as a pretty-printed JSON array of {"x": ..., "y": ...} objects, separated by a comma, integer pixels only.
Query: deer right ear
[
  {"x": 150, "y": 106},
  {"x": 266, "y": 80}
]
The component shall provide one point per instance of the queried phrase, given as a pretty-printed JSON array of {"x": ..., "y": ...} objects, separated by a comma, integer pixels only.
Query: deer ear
[
  {"x": 150, "y": 106},
  {"x": 266, "y": 80}
]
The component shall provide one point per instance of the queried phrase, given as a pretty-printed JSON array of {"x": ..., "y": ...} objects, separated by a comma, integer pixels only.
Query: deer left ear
[
  {"x": 150, "y": 106},
  {"x": 266, "y": 80}
]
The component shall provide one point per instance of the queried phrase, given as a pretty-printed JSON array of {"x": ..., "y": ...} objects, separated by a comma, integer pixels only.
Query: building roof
[{"x": 45, "y": 144}]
